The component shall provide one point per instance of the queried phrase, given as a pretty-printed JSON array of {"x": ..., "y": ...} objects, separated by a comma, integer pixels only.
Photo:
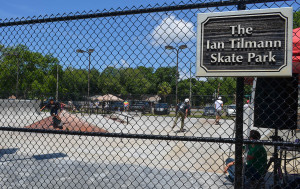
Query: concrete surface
[
  {"x": 105, "y": 163},
  {"x": 101, "y": 162},
  {"x": 15, "y": 105}
]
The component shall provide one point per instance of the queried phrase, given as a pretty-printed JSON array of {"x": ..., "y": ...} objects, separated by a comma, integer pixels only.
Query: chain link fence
[{"x": 129, "y": 111}]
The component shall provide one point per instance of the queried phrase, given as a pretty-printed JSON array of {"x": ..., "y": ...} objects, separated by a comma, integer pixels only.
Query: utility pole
[{"x": 169, "y": 47}]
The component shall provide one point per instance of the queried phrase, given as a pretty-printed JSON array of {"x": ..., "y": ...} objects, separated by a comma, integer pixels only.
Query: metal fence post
[
  {"x": 239, "y": 126},
  {"x": 239, "y": 134}
]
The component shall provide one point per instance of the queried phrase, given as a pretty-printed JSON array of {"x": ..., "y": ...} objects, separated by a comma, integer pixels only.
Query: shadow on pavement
[
  {"x": 49, "y": 156},
  {"x": 8, "y": 151}
]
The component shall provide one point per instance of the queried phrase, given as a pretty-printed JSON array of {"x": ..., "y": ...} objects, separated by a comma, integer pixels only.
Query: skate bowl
[
  {"x": 70, "y": 122},
  {"x": 13, "y": 106}
]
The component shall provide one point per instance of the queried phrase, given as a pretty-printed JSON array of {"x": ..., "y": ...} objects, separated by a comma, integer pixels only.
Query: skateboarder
[
  {"x": 218, "y": 107},
  {"x": 54, "y": 107},
  {"x": 183, "y": 109}
]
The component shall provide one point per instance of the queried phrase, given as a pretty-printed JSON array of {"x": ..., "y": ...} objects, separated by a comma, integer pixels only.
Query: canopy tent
[
  {"x": 12, "y": 97},
  {"x": 109, "y": 97},
  {"x": 296, "y": 50},
  {"x": 93, "y": 98},
  {"x": 151, "y": 98}
]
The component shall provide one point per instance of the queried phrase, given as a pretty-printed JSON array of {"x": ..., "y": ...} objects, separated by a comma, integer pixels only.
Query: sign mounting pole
[
  {"x": 239, "y": 126},
  {"x": 244, "y": 43}
]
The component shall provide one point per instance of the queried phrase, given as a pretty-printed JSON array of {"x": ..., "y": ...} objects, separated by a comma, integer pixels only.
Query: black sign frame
[{"x": 221, "y": 43}]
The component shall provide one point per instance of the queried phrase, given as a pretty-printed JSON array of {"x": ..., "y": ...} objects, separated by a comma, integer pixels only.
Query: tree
[
  {"x": 75, "y": 82},
  {"x": 165, "y": 74},
  {"x": 164, "y": 89},
  {"x": 149, "y": 75},
  {"x": 228, "y": 89},
  {"x": 34, "y": 72},
  {"x": 296, "y": 20},
  {"x": 133, "y": 81},
  {"x": 94, "y": 79},
  {"x": 109, "y": 81},
  {"x": 109, "y": 84}
]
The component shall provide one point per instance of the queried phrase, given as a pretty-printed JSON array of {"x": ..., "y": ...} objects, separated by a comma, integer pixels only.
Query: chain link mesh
[{"x": 118, "y": 80}]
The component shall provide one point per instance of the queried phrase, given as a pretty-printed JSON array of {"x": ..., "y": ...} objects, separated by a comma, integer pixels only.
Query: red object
[
  {"x": 248, "y": 80},
  {"x": 70, "y": 122},
  {"x": 296, "y": 50}
]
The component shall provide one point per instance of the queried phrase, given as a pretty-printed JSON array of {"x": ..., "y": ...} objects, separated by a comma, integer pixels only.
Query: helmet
[
  {"x": 220, "y": 98},
  {"x": 186, "y": 100}
]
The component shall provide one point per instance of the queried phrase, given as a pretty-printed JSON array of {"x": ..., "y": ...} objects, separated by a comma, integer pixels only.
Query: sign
[{"x": 245, "y": 43}]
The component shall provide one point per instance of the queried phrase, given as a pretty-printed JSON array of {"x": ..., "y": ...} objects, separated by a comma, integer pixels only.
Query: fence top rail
[
  {"x": 156, "y": 137},
  {"x": 142, "y": 10}
]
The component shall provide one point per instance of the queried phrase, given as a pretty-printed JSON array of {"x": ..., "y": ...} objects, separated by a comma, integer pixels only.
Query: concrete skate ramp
[
  {"x": 70, "y": 123},
  {"x": 15, "y": 106}
]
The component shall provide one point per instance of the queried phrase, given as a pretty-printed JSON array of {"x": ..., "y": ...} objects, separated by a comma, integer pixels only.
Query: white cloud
[
  {"x": 172, "y": 30},
  {"x": 114, "y": 64},
  {"x": 125, "y": 64},
  {"x": 119, "y": 64}
]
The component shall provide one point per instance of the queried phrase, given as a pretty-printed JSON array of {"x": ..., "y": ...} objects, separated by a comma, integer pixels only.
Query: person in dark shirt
[
  {"x": 54, "y": 107},
  {"x": 182, "y": 111},
  {"x": 256, "y": 165}
]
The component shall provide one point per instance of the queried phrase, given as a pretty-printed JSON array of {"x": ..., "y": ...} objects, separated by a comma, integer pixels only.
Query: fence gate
[{"x": 115, "y": 78}]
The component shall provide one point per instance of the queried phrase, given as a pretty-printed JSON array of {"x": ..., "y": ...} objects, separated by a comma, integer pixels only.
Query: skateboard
[
  {"x": 180, "y": 131},
  {"x": 57, "y": 123}
]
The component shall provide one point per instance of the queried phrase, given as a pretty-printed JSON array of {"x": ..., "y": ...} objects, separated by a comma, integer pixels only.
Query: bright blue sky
[
  {"x": 121, "y": 41},
  {"x": 24, "y": 8}
]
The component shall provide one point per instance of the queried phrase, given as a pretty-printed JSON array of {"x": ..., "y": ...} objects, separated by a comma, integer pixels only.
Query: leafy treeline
[
  {"x": 35, "y": 72},
  {"x": 37, "y": 79},
  {"x": 296, "y": 19}
]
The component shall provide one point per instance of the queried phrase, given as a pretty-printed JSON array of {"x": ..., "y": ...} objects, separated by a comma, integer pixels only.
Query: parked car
[
  {"x": 162, "y": 109},
  {"x": 117, "y": 106},
  {"x": 231, "y": 110},
  {"x": 141, "y": 106},
  {"x": 209, "y": 111}
]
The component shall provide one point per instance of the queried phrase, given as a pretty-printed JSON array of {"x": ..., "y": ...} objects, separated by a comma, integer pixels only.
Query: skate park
[
  {"x": 88, "y": 99},
  {"x": 186, "y": 161}
]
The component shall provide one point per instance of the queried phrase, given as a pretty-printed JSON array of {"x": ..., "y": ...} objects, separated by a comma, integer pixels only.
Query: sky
[
  {"x": 122, "y": 41},
  {"x": 24, "y": 8}
]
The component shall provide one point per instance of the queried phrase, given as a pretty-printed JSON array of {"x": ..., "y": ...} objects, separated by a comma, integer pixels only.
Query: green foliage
[
  {"x": 33, "y": 70},
  {"x": 296, "y": 19},
  {"x": 109, "y": 81},
  {"x": 37, "y": 75},
  {"x": 164, "y": 89},
  {"x": 167, "y": 74},
  {"x": 134, "y": 81},
  {"x": 74, "y": 83}
]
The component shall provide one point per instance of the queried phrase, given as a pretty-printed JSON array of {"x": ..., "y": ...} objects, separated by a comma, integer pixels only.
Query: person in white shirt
[
  {"x": 247, "y": 105},
  {"x": 218, "y": 107}
]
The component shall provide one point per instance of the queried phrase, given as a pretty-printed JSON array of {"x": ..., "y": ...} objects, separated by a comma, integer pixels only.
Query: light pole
[
  {"x": 90, "y": 51},
  {"x": 191, "y": 83},
  {"x": 56, "y": 82},
  {"x": 169, "y": 47}
]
